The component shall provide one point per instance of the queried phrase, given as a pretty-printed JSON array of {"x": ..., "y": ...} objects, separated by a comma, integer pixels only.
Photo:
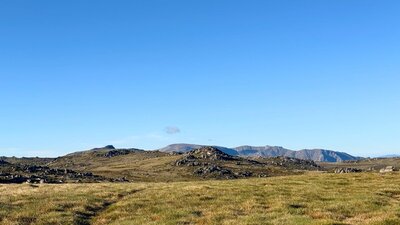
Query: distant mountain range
[
  {"x": 390, "y": 156},
  {"x": 319, "y": 155}
]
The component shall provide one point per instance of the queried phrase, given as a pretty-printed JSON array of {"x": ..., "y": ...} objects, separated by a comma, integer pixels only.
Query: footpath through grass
[{"x": 306, "y": 199}]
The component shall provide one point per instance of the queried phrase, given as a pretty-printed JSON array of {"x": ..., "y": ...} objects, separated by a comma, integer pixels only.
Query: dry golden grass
[
  {"x": 139, "y": 166},
  {"x": 313, "y": 198}
]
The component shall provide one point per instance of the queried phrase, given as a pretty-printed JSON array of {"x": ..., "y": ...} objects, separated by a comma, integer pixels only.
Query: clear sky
[{"x": 299, "y": 74}]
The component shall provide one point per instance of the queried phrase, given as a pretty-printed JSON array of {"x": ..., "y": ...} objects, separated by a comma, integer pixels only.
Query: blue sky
[{"x": 300, "y": 74}]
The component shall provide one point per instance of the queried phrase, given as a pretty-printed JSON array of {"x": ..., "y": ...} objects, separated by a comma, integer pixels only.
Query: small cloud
[{"x": 172, "y": 130}]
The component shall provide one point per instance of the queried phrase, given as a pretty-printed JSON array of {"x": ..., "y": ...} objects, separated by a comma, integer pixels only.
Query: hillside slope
[{"x": 201, "y": 163}]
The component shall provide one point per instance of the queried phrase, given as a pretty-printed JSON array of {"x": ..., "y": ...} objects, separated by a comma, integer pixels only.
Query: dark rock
[
  {"x": 244, "y": 174},
  {"x": 214, "y": 170},
  {"x": 3, "y": 162},
  {"x": 44, "y": 174},
  {"x": 176, "y": 153},
  {"x": 118, "y": 152},
  {"x": 347, "y": 170},
  {"x": 12, "y": 178},
  {"x": 120, "y": 179}
]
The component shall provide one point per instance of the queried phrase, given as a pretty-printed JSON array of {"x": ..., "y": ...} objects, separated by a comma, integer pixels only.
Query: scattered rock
[
  {"x": 387, "y": 169},
  {"x": 122, "y": 179},
  {"x": 118, "y": 152},
  {"x": 244, "y": 174},
  {"x": 295, "y": 163},
  {"x": 347, "y": 170},
  {"x": 11, "y": 173},
  {"x": 211, "y": 162},
  {"x": 176, "y": 153},
  {"x": 214, "y": 170},
  {"x": 7, "y": 178}
]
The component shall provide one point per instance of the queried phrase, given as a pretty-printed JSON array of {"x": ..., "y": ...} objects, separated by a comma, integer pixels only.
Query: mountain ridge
[{"x": 320, "y": 155}]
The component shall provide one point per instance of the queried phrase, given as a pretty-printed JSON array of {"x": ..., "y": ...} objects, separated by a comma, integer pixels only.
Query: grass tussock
[{"x": 312, "y": 198}]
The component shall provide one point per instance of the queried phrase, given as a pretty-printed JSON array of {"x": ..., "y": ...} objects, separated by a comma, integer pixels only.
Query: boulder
[
  {"x": 387, "y": 169},
  {"x": 347, "y": 170},
  {"x": 213, "y": 169}
]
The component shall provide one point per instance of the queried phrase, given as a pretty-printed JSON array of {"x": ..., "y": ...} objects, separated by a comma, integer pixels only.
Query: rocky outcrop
[
  {"x": 387, "y": 169},
  {"x": 347, "y": 170},
  {"x": 212, "y": 162},
  {"x": 114, "y": 153},
  {"x": 42, "y": 174},
  {"x": 210, "y": 153},
  {"x": 293, "y": 163},
  {"x": 202, "y": 157},
  {"x": 213, "y": 169}
]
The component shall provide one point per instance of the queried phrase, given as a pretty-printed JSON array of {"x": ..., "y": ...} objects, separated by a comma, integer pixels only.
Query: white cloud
[{"x": 172, "y": 130}]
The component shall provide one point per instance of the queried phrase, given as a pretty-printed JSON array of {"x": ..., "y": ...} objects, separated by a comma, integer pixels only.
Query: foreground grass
[{"x": 305, "y": 199}]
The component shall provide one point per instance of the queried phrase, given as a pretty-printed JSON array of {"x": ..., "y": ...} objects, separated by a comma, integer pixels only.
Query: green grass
[{"x": 313, "y": 198}]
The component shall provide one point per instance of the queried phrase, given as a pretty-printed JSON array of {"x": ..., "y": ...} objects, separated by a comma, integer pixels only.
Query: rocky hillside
[
  {"x": 24, "y": 173},
  {"x": 27, "y": 160},
  {"x": 210, "y": 162},
  {"x": 201, "y": 163},
  {"x": 319, "y": 155}
]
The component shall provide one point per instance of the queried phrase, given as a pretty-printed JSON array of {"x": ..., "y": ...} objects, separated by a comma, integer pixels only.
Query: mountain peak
[{"x": 107, "y": 147}]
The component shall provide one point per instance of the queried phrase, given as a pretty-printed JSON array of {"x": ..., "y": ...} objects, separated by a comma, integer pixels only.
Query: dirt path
[{"x": 86, "y": 216}]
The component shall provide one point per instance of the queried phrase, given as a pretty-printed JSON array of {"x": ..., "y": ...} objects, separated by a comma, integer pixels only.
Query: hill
[
  {"x": 201, "y": 163},
  {"x": 319, "y": 155}
]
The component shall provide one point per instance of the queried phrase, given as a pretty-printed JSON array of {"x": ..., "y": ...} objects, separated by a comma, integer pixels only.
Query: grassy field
[{"x": 313, "y": 198}]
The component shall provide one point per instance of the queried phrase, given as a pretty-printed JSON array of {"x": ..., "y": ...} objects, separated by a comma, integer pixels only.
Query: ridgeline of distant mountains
[{"x": 319, "y": 155}]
